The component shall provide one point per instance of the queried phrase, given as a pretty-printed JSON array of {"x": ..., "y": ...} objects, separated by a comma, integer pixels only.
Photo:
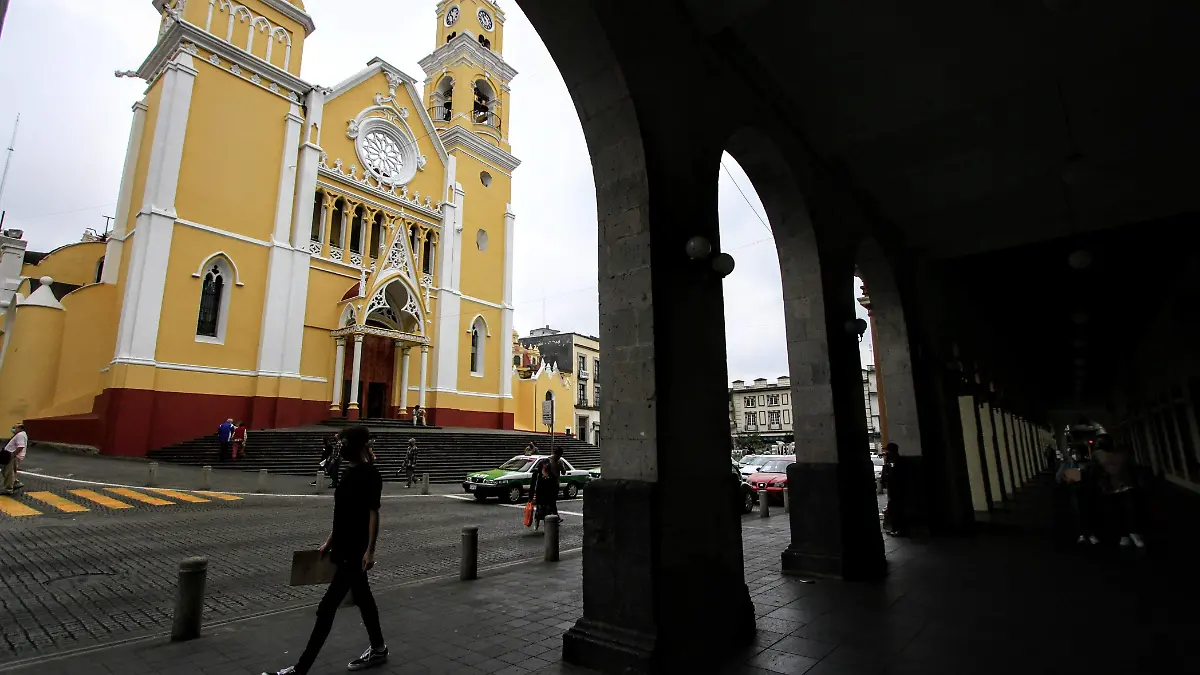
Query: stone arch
[
  {"x": 832, "y": 477},
  {"x": 396, "y": 304}
]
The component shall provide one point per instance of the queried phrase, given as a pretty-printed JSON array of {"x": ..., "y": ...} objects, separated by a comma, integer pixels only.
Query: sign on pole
[{"x": 548, "y": 413}]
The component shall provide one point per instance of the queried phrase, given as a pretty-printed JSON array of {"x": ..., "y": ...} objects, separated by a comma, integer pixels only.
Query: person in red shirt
[{"x": 239, "y": 439}]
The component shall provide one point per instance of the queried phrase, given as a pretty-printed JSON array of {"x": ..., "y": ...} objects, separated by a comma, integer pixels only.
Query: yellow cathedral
[{"x": 283, "y": 252}]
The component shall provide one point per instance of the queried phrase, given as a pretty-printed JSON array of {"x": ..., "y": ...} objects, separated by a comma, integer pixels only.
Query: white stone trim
[
  {"x": 224, "y": 233},
  {"x": 479, "y": 317},
  {"x": 398, "y": 202},
  {"x": 378, "y": 65},
  {"x": 285, "y": 199},
  {"x": 237, "y": 277},
  {"x": 114, "y": 247},
  {"x": 179, "y": 35},
  {"x": 458, "y": 137},
  {"x": 465, "y": 47},
  {"x": 510, "y": 220},
  {"x": 294, "y": 13},
  {"x": 141, "y": 307},
  {"x": 187, "y": 367},
  {"x": 226, "y": 263},
  {"x": 480, "y": 394},
  {"x": 306, "y": 171}
]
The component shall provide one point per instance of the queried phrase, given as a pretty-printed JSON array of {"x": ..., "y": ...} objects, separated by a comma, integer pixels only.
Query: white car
[{"x": 752, "y": 463}]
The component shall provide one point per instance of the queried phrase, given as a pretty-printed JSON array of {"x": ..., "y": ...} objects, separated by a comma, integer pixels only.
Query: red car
[{"x": 771, "y": 478}]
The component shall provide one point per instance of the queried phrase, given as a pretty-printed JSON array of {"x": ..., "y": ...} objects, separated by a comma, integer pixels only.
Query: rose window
[{"x": 382, "y": 155}]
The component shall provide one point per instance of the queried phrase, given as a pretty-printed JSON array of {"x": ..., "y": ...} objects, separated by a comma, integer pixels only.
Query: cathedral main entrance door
[{"x": 377, "y": 400}]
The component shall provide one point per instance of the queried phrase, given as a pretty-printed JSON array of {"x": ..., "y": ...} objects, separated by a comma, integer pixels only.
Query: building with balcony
[
  {"x": 763, "y": 409},
  {"x": 578, "y": 356}
]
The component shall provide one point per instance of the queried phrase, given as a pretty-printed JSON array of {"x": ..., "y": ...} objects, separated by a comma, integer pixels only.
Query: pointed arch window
[
  {"x": 214, "y": 302},
  {"x": 99, "y": 270},
  {"x": 478, "y": 337},
  {"x": 337, "y": 228},
  {"x": 356, "y": 230},
  {"x": 317, "y": 230},
  {"x": 427, "y": 257},
  {"x": 377, "y": 244}
]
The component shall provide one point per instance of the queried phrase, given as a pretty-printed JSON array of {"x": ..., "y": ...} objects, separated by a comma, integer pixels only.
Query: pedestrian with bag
[
  {"x": 11, "y": 457},
  {"x": 1077, "y": 472},
  {"x": 1120, "y": 492},
  {"x": 545, "y": 488},
  {"x": 351, "y": 546},
  {"x": 410, "y": 461},
  {"x": 224, "y": 439}
]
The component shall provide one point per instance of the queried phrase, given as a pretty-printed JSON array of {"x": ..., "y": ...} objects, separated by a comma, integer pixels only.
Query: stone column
[
  {"x": 116, "y": 240},
  {"x": 976, "y": 468},
  {"x": 1005, "y": 447},
  {"x": 424, "y": 376},
  {"x": 352, "y": 409},
  {"x": 991, "y": 454},
  {"x": 400, "y": 378},
  {"x": 339, "y": 361}
]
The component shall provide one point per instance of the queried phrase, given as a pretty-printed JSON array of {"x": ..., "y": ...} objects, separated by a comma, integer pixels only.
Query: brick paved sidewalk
[{"x": 995, "y": 603}]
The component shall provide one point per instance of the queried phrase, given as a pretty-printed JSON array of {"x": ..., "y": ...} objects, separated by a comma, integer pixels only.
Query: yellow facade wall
[
  {"x": 70, "y": 264},
  {"x": 197, "y": 13},
  {"x": 190, "y": 248},
  {"x": 483, "y": 209},
  {"x": 229, "y": 178},
  {"x": 489, "y": 380},
  {"x": 528, "y": 396},
  {"x": 89, "y": 339},
  {"x": 30, "y": 368}
]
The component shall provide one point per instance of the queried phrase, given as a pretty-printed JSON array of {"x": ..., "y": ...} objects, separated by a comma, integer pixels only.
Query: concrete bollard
[
  {"x": 764, "y": 504},
  {"x": 189, "y": 604},
  {"x": 468, "y": 567},
  {"x": 787, "y": 501},
  {"x": 262, "y": 481},
  {"x": 424, "y": 483},
  {"x": 206, "y": 478},
  {"x": 152, "y": 474},
  {"x": 552, "y": 522},
  {"x": 320, "y": 487}
]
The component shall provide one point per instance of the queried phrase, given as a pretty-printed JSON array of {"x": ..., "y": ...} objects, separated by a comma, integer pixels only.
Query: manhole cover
[{"x": 79, "y": 580}]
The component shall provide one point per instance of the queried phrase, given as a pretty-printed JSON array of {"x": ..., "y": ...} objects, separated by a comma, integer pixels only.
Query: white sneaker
[
  {"x": 1126, "y": 542},
  {"x": 1137, "y": 540},
  {"x": 1094, "y": 540}
]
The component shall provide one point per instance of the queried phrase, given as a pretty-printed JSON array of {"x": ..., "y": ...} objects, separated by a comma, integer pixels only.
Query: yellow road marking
[
  {"x": 133, "y": 494},
  {"x": 181, "y": 496},
  {"x": 102, "y": 500},
  {"x": 57, "y": 502},
  {"x": 219, "y": 495},
  {"x": 13, "y": 507}
]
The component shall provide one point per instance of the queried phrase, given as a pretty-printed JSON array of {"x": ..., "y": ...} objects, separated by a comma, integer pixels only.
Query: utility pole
[
  {"x": 11, "y": 145},
  {"x": 107, "y": 221}
]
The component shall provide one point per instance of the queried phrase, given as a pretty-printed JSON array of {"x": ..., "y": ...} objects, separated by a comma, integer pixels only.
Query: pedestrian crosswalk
[{"x": 38, "y": 503}]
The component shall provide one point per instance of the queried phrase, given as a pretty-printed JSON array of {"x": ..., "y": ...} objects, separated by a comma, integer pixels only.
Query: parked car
[
  {"x": 594, "y": 474},
  {"x": 511, "y": 481},
  {"x": 747, "y": 497},
  {"x": 771, "y": 477},
  {"x": 750, "y": 464}
]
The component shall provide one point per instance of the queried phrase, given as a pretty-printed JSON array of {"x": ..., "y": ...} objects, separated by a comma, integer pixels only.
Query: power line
[{"x": 747, "y": 199}]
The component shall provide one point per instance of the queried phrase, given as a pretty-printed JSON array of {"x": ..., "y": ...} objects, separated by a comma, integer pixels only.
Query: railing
[
  {"x": 583, "y": 375},
  {"x": 487, "y": 117},
  {"x": 439, "y": 113}
]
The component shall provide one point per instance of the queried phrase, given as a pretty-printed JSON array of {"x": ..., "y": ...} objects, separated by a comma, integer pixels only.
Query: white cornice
[
  {"x": 294, "y": 13},
  {"x": 457, "y": 137},
  {"x": 182, "y": 32},
  {"x": 465, "y": 46}
]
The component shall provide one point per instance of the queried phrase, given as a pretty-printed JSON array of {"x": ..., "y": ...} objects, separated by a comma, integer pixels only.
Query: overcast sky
[{"x": 57, "y": 59}]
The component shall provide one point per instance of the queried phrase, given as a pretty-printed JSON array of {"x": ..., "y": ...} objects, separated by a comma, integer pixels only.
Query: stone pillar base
[
  {"x": 352, "y": 412},
  {"x": 652, "y": 590},
  {"x": 835, "y": 522}
]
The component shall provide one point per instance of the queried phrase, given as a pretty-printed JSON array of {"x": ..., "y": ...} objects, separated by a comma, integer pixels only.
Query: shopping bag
[
  {"x": 529, "y": 514},
  {"x": 1072, "y": 475}
]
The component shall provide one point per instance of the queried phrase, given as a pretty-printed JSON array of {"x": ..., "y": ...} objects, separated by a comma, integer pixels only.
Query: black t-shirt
[{"x": 356, "y": 496}]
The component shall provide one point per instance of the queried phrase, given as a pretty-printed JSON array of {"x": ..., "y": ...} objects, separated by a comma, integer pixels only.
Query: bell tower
[{"x": 467, "y": 79}]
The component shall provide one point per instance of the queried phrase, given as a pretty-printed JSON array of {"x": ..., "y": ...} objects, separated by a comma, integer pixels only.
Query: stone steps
[{"x": 446, "y": 455}]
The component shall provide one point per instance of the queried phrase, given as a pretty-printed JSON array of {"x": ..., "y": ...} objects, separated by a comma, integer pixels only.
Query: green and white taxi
[{"x": 511, "y": 481}]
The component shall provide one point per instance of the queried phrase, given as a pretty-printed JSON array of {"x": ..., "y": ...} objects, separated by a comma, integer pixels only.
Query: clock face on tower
[
  {"x": 485, "y": 19},
  {"x": 452, "y": 16}
]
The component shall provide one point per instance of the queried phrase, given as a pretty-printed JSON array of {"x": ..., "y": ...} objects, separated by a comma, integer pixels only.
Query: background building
[
  {"x": 576, "y": 355},
  {"x": 762, "y": 411}
]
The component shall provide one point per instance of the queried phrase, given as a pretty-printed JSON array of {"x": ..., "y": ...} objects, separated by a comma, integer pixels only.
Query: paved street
[{"x": 82, "y": 564}]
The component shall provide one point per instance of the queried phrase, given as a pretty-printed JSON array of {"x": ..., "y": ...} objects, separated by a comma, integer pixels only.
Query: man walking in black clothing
[{"x": 351, "y": 545}]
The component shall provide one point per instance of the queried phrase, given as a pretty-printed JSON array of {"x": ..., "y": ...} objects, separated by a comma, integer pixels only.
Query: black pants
[
  {"x": 225, "y": 450},
  {"x": 409, "y": 471},
  {"x": 349, "y": 577}
]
